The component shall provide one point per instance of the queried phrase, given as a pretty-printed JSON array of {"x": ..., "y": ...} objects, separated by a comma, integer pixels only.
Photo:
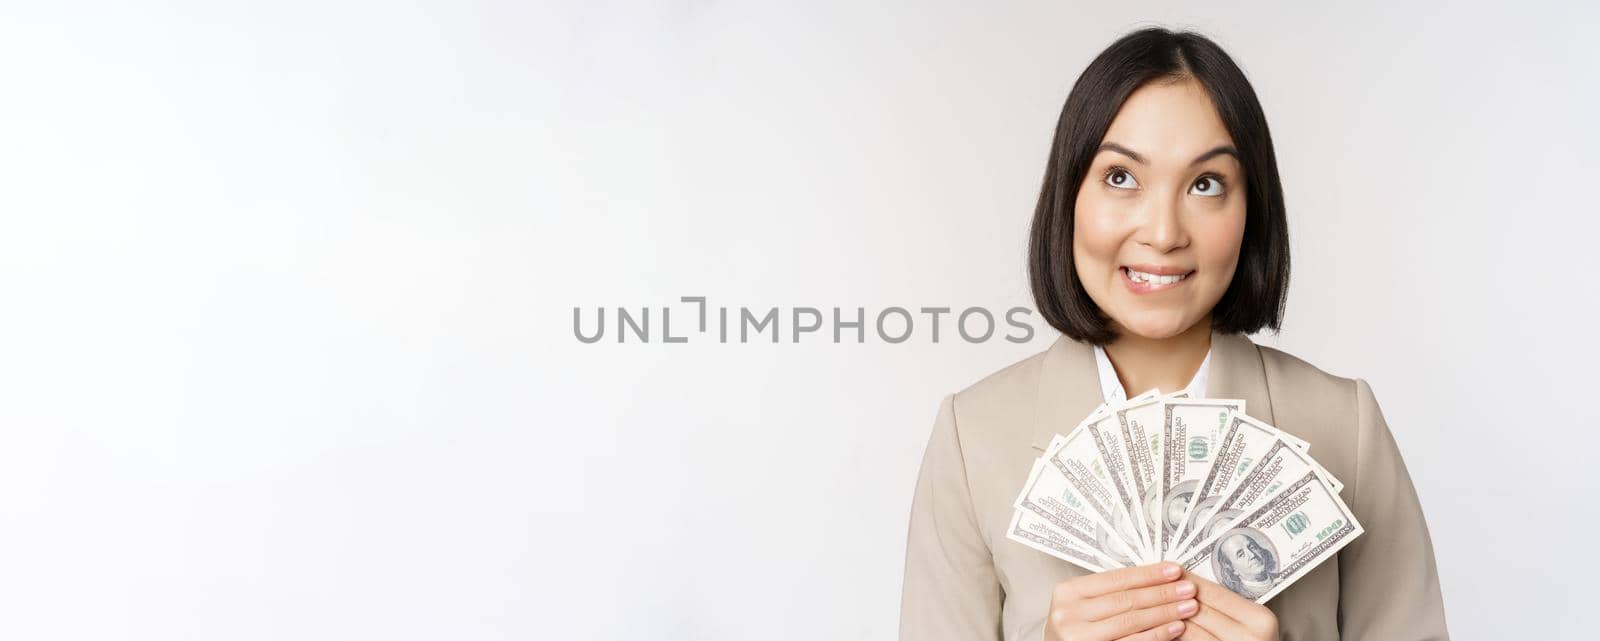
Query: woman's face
[{"x": 1160, "y": 216}]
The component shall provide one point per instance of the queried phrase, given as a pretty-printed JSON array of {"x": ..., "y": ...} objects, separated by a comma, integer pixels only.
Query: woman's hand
[
  {"x": 1145, "y": 603},
  {"x": 1225, "y": 616}
]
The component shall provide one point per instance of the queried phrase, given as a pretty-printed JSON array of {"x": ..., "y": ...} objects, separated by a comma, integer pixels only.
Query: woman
[{"x": 1158, "y": 244}]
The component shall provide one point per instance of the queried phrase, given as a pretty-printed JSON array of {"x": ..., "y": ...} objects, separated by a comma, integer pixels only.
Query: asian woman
[{"x": 1159, "y": 244}]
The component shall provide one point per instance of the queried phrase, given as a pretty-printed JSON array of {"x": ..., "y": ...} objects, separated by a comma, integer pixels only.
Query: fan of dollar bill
[{"x": 1190, "y": 480}]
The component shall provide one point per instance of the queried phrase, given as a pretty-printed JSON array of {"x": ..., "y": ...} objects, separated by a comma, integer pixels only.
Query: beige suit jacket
[{"x": 965, "y": 580}]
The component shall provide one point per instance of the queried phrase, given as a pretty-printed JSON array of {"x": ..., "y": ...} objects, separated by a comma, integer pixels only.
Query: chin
[{"x": 1156, "y": 326}]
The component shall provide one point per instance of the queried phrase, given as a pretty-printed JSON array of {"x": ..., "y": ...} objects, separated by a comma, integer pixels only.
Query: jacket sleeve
[
  {"x": 950, "y": 590},
  {"x": 1388, "y": 579}
]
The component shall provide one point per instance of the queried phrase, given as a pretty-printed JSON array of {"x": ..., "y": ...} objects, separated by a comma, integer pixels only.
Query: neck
[{"x": 1164, "y": 363}]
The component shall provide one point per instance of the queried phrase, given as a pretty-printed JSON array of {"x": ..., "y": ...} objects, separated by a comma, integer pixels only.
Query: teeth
[{"x": 1141, "y": 277}]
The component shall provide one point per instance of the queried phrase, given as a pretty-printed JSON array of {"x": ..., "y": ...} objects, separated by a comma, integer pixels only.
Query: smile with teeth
[{"x": 1154, "y": 280}]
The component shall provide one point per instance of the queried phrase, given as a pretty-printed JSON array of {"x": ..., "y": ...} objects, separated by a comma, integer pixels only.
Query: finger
[
  {"x": 1106, "y": 606},
  {"x": 1100, "y": 583},
  {"x": 1166, "y": 632},
  {"x": 1138, "y": 620},
  {"x": 1193, "y": 631},
  {"x": 1222, "y": 598},
  {"x": 1246, "y": 612},
  {"x": 1220, "y": 624}
]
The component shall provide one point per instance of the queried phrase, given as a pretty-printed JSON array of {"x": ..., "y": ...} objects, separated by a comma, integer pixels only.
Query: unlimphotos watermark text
[{"x": 893, "y": 324}]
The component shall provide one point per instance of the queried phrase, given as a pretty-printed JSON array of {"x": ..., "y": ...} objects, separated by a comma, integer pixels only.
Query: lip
[
  {"x": 1150, "y": 288},
  {"x": 1159, "y": 270}
]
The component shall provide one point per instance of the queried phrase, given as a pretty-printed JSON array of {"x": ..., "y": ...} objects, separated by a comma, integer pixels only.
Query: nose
[{"x": 1162, "y": 229}]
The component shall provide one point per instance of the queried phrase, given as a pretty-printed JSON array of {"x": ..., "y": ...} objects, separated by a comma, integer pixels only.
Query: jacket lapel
[
  {"x": 1069, "y": 383},
  {"x": 1069, "y": 388},
  {"x": 1237, "y": 372}
]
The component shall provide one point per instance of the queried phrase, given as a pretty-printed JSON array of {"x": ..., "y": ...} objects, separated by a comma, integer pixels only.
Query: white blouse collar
[{"x": 1111, "y": 387}]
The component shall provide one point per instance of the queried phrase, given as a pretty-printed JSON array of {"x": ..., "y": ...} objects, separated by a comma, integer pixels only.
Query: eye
[
  {"x": 1209, "y": 185},
  {"x": 1119, "y": 178}
]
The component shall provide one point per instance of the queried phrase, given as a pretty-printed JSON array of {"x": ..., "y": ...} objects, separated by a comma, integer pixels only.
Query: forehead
[
  {"x": 1168, "y": 122},
  {"x": 1234, "y": 542}
]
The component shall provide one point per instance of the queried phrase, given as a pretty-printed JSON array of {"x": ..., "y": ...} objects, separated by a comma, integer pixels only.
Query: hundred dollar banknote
[
  {"x": 1110, "y": 443},
  {"x": 1032, "y": 530},
  {"x": 1239, "y": 447},
  {"x": 1140, "y": 423},
  {"x": 1188, "y": 443},
  {"x": 1281, "y": 462},
  {"x": 1269, "y": 548},
  {"x": 1056, "y": 522},
  {"x": 1049, "y": 497},
  {"x": 1075, "y": 458},
  {"x": 1303, "y": 446},
  {"x": 1241, "y": 444},
  {"x": 1083, "y": 527}
]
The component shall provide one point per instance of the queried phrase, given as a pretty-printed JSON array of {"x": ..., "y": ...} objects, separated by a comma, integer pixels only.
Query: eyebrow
[{"x": 1214, "y": 152}]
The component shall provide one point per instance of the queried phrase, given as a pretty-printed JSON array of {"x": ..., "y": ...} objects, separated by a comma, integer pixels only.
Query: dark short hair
[{"x": 1256, "y": 296}]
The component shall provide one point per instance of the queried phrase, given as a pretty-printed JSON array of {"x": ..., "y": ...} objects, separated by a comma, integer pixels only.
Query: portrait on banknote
[
  {"x": 1173, "y": 506},
  {"x": 1246, "y": 562}
]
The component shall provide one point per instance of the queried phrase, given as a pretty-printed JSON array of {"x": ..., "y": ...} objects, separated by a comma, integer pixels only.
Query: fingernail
[
  {"x": 1174, "y": 627},
  {"x": 1185, "y": 588},
  {"x": 1170, "y": 570},
  {"x": 1187, "y": 608}
]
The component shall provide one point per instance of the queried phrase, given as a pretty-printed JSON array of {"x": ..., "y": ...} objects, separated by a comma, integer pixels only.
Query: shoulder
[
  {"x": 1337, "y": 414},
  {"x": 985, "y": 430},
  {"x": 1299, "y": 381},
  {"x": 994, "y": 414},
  {"x": 1292, "y": 375},
  {"x": 1005, "y": 384},
  {"x": 1303, "y": 391}
]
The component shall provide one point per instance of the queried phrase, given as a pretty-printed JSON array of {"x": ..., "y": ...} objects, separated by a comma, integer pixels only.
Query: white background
[{"x": 287, "y": 349}]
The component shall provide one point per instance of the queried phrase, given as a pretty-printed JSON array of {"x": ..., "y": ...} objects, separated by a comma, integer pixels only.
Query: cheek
[
  {"x": 1095, "y": 235},
  {"x": 1217, "y": 244}
]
